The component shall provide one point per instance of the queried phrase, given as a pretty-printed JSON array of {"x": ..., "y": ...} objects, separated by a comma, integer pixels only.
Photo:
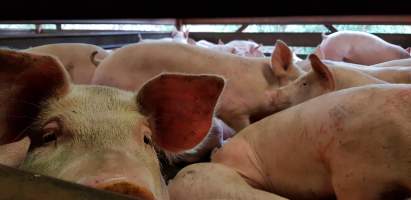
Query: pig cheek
[{"x": 43, "y": 160}]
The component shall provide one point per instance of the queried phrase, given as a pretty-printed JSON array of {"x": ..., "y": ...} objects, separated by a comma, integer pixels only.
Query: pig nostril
[{"x": 128, "y": 189}]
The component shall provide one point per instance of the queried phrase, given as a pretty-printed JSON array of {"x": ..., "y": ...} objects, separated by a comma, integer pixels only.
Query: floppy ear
[
  {"x": 180, "y": 108},
  {"x": 408, "y": 49},
  {"x": 26, "y": 80},
  {"x": 326, "y": 77},
  {"x": 220, "y": 41},
  {"x": 281, "y": 58}
]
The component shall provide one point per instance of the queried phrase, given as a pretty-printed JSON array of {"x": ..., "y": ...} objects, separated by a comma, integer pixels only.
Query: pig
[
  {"x": 99, "y": 136},
  {"x": 216, "y": 47},
  {"x": 347, "y": 145},
  {"x": 320, "y": 80},
  {"x": 246, "y": 48},
  {"x": 237, "y": 47},
  {"x": 395, "y": 63},
  {"x": 176, "y": 36},
  {"x": 358, "y": 47},
  {"x": 391, "y": 74},
  {"x": 79, "y": 59},
  {"x": 249, "y": 79}
]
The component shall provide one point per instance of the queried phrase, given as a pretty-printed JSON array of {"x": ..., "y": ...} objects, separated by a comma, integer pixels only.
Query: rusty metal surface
[{"x": 20, "y": 185}]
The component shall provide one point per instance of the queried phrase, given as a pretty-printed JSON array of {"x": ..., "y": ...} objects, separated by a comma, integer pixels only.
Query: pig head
[
  {"x": 100, "y": 136},
  {"x": 318, "y": 81}
]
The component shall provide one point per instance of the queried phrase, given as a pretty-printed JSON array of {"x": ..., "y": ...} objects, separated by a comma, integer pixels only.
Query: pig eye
[
  {"x": 50, "y": 131},
  {"x": 147, "y": 141},
  {"x": 304, "y": 83}
]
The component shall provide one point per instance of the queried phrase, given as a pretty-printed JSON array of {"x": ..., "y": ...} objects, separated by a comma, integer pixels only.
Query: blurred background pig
[
  {"x": 176, "y": 36},
  {"x": 246, "y": 48},
  {"x": 358, "y": 47},
  {"x": 80, "y": 60},
  {"x": 99, "y": 136},
  {"x": 248, "y": 79}
]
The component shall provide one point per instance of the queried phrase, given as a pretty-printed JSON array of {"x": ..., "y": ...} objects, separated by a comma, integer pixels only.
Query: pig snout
[{"x": 123, "y": 186}]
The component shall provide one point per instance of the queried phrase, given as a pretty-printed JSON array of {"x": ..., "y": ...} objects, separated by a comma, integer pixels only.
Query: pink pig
[{"x": 358, "y": 47}]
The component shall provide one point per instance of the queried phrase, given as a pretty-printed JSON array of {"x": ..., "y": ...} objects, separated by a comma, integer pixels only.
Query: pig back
[
  {"x": 131, "y": 66},
  {"x": 296, "y": 146}
]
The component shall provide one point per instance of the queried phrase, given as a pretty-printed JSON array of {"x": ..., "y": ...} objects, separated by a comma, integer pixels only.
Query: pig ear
[
  {"x": 180, "y": 108},
  {"x": 220, "y": 41},
  {"x": 281, "y": 58},
  {"x": 408, "y": 49},
  {"x": 94, "y": 60},
  {"x": 26, "y": 80},
  {"x": 186, "y": 33},
  {"x": 14, "y": 154},
  {"x": 322, "y": 71}
]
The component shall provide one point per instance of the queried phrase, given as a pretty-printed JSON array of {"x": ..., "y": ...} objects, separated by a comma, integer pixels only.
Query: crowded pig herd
[{"x": 181, "y": 119}]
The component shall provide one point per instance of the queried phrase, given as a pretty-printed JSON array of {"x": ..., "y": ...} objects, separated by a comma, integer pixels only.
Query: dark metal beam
[
  {"x": 100, "y": 21},
  {"x": 361, "y": 19},
  {"x": 179, "y": 24},
  {"x": 331, "y": 28},
  {"x": 241, "y": 29},
  {"x": 17, "y": 184},
  {"x": 110, "y": 39}
]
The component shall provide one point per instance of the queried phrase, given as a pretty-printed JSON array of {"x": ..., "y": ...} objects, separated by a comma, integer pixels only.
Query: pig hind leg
[{"x": 211, "y": 181}]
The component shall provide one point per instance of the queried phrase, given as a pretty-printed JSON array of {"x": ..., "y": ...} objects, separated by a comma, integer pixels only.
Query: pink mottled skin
[
  {"x": 352, "y": 144},
  {"x": 358, "y": 47},
  {"x": 248, "y": 79}
]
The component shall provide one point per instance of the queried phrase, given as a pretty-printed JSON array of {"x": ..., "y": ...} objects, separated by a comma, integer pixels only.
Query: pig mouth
[{"x": 129, "y": 190}]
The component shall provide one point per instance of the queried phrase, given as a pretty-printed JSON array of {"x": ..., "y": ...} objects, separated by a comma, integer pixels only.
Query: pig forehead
[{"x": 91, "y": 101}]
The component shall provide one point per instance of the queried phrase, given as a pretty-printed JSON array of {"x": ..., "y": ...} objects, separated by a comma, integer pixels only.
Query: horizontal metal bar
[
  {"x": 77, "y": 34},
  {"x": 91, "y": 21},
  {"x": 100, "y": 39},
  {"x": 353, "y": 19},
  {"x": 18, "y": 184},
  {"x": 292, "y": 39}
]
